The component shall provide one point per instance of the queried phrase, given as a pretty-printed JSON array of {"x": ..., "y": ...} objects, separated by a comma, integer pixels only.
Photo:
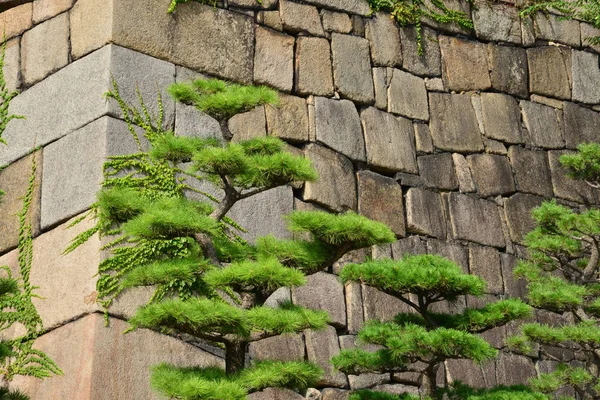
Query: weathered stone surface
[
  {"x": 501, "y": 117},
  {"x": 586, "y": 77},
  {"x": 465, "y": 64},
  {"x": 87, "y": 377},
  {"x": 272, "y": 19},
  {"x": 463, "y": 173},
  {"x": 412, "y": 245},
  {"x": 336, "y": 187},
  {"x": 321, "y": 346},
  {"x": 485, "y": 263},
  {"x": 532, "y": 172},
  {"x": 278, "y": 297},
  {"x": 549, "y": 68},
  {"x": 91, "y": 26},
  {"x": 427, "y": 64},
  {"x": 543, "y": 125},
  {"x": 248, "y": 125},
  {"x": 16, "y": 20},
  {"x": 289, "y": 120},
  {"x": 383, "y": 35},
  {"x": 352, "y": 68},
  {"x": 191, "y": 122},
  {"x": 335, "y": 394},
  {"x": 518, "y": 210},
  {"x": 288, "y": 347},
  {"x": 14, "y": 182},
  {"x": 380, "y": 199},
  {"x": 513, "y": 286},
  {"x": 452, "y": 251},
  {"x": 274, "y": 59},
  {"x": 425, "y": 213},
  {"x": 509, "y": 71},
  {"x": 358, "y": 26},
  {"x": 389, "y": 141},
  {"x": 45, "y": 49},
  {"x": 44, "y": 9},
  {"x": 354, "y": 307},
  {"x": 497, "y": 22},
  {"x": 513, "y": 369},
  {"x": 300, "y": 18},
  {"x": 423, "y": 140},
  {"x": 381, "y": 306},
  {"x": 437, "y": 171},
  {"x": 492, "y": 174},
  {"x": 323, "y": 292},
  {"x": 358, "y": 7},
  {"x": 367, "y": 380},
  {"x": 555, "y": 29},
  {"x": 475, "y": 220},
  {"x": 75, "y": 93},
  {"x": 12, "y": 64},
  {"x": 467, "y": 372},
  {"x": 495, "y": 147},
  {"x": 381, "y": 83},
  {"x": 275, "y": 394},
  {"x": 313, "y": 67},
  {"x": 337, "y": 125},
  {"x": 565, "y": 187},
  {"x": 588, "y": 31},
  {"x": 454, "y": 123},
  {"x": 263, "y": 214},
  {"x": 580, "y": 125},
  {"x": 407, "y": 96},
  {"x": 336, "y": 22}
]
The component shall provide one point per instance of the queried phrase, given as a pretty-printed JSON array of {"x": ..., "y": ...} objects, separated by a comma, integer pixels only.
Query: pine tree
[
  {"x": 211, "y": 285},
  {"x": 422, "y": 339},
  {"x": 562, "y": 275}
]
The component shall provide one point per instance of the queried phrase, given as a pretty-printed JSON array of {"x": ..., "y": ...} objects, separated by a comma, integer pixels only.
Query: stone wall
[{"x": 452, "y": 149}]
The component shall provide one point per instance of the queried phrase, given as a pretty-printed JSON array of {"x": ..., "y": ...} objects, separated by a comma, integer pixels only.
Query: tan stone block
[
  {"x": 274, "y": 59},
  {"x": 12, "y": 65},
  {"x": 289, "y": 120},
  {"x": 16, "y": 20},
  {"x": 45, "y": 9},
  {"x": 91, "y": 26},
  {"x": 100, "y": 362},
  {"x": 465, "y": 64},
  {"x": 380, "y": 199},
  {"x": 313, "y": 67},
  {"x": 45, "y": 49}
]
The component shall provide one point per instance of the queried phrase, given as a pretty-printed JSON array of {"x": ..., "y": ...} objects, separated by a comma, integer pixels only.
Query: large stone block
[
  {"x": 412, "y": 245},
  {"x": 288, "y": 120},
  {"x": 73, "y": 97},
  {"x": 465, "y": 64},
  {"x": 556, "y": 29},
  {"x": 509, "y": 71},
  {"x": 16, "y": 20},
  {"x": 274, "y": 59},
  {"x": 513, "y": 369},
  {"x": 72, "y": 170},
  {"x": 352, "y": 68},
  {"x": 485, "y": 263},
  {"x": 44, "y": 9},
  {"x": 337, "y": 125},
  {"x": 323, "y": 291},
  {"x": 336, "y": 187},
  {"x": 453, "y": 123},
  {"x": 389, "y": 141},
  {"x": 384, "y": 38},
  {"x": 12, "y": 65},
  {"x": 14, "y": 181},
  {"x": 497, "y": 22},
  {"x": 336, "y": 22},
  {"x": 580, "y": 125},
  {"x": 91, "y": 26},
  {"x": 565, "y": 187},
  {"x": 300, "y": 18},
  {"x": 288, "y": 347},
  {"x": 45, "y": 49},
  {"x": 518, "y": 210},
  {"x": 427, "y": 64},
  {"x": 425, "y": 213},
  {"x": 381, "y": 81},
  {"x": 380, "y": 199},
  {"x": 248, "y": 125},
  {"x": 275, "y": 394},
  {"x": 501, "y": 117},
  {"x": 101, "y": 363},
  {"x": 335, "y": 394},
  {"x": 543, "y": 125},
  {"x": 381, "y": 306},
  {"x": 354, "y": 307},
  {"x": 586, "y": 77},
  {"x": 468, "y": 373},
  {"x": 549, "y": 68},
  {"x": 423, "y": 140},
  {"x": 492, "y": 174},
  {"x": 321, "y": 346},
  {"x": 463, "y": 173},
  {"x": 313, "y": 67},
  {"x": 358, "y": 7},
  {"x": 475, "y": 220},
  {"x": 513, "y": 286},
  {"x": 452, "y": 251},
  {"x": 437, "y": 171},
  {"x": 532, "y": 172},
  {"x": 407, "y": 96}
]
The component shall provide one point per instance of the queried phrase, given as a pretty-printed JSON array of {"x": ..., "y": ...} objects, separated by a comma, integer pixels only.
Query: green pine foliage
[
  {"x": 208, "y": 283},
  {"x": 423, "y": 335},
  {"x": 562, "y": 277}
]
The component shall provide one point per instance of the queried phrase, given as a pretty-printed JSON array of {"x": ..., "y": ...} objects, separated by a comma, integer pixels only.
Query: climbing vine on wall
[{"x": 5, "y": 96}]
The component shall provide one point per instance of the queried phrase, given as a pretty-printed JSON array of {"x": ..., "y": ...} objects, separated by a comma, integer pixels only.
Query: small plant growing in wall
[{"x": 211, "y": 285}]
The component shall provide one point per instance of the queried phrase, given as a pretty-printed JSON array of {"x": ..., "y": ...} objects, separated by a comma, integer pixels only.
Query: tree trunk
[
  {"x": 430, "y": 380},
  {"x": 235, "y": 357}
]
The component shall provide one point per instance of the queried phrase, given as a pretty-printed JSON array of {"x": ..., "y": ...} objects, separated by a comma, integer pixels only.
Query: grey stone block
[
  {"x": 274, "y": 59},
  {"x": 323, "y": 291},
  {"x": 463, "y": 173},
  {"x": 549, "y": 68},
  {"x": 336, "y": 22},
  {"x": 75, "y": 94},
  {"x": 465, "y": 64},
  {"x": 381, "y": 81},
  {"x": 467, "y": 372},
  {"x": 287, "y": 347},
  {"x": 513, "y": 369},
  {"x": 427, "y": 64},
  {"x": 367, "y": 380},
  {"x": 492, "y": 174},
  {"x": 72, "y": 171},
  {"x": 475, "y": 220},
  {"x": 354, "y": 307},
  {"x": 381, "y": 306},
  {"x": 300, "y": 18},
  {"x": 452, "y": 251},
  {"x": 336, "y": 187},
  {"x": 271, "y": 19},
  {"x": 275, "y": 394},
  {"x": 12, "y": 65},
  {"x": 352, "y": 68},
  {"x": 485, "y": 263},
  {"x": 335, "y": 394},
  {"x": 532, "y": 172},
  {"x": 358, "y": 7},
  {"x": 288, "y": 120},
  {"x": 412, "y": 245},
  {"x": 553, "y": 28},
  {"x": 509, "y": 71},
  {"x": 425, "y": 213},
  {"x": 384, "y": 38},
  {"x": 453, "y": 123},
  {"x": 580, "y": 125},
  {"x": 565, "y": 187},
  {"x": 321, "y": 346},
  {"x": 543, "y": 125},
  {"x": 586, "y": 77},
  {"x": 407, "y": 96},
  {"x": 437, "y": 171},
  {"x": 389, "y": 141},
  {"x": 513, "y": 286},
  {"x": 189, "y": 121},
  {"x": 337, "y": 125},
  {"x": 248, "y": 125},
  {"x": 313, "y": 67},
  {"x": 501, "y": 117},
  {"x": 423, "y": 140},
  {"x": 380, "y": 199},
  {"x": 497, "y": 22}
]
